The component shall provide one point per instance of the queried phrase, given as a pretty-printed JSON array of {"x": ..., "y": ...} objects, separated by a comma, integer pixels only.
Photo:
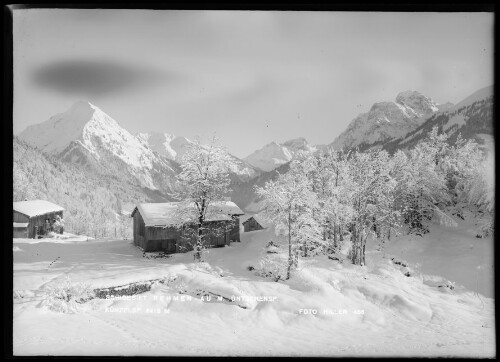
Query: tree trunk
[
  {"x": 363, "y": 260},
  {"x": 325, "y": 226},
  {"x": 296, "y": 256},
  {"x": 197, "y": 253},
  {"x": 199, "y": 239},
  {"x": 335, "y": 242},
  {"x": 354, "y": 242},
  {"x": 290, "y": 260}
]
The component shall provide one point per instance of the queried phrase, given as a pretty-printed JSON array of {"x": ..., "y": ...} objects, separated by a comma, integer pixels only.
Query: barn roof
[
  {"x": 245, "y": 218},
  {"x": 259, "y": 218},
  {"x": 175, "y": 213},
  {"x": 36, "y": 207}
]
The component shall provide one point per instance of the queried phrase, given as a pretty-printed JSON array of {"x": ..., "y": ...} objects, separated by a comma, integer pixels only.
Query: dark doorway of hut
[{"x": 168, "y": 245}]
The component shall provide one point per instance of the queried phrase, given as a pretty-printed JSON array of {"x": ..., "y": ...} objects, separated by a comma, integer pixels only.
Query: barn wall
[
  {"x": 185, "y": 237},
  {"x": 37, "y": 221},
  {"x": 139, "y": 229},
  {"x": 234, "y": 234},
  {"x": 161, "y": 233},
  {"x": 20, "y": 232},
  {"x": 156, "y": 235},
  {"x": 220, "y": 238},
  {"x": 18, "y": 217},
  {"x": 252, "y": 225}
]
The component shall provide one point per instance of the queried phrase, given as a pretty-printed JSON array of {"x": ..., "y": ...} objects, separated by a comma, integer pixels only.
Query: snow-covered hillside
[
  {"x": 85, "y": 134},
  {"x": 325, "y": 309},
  {"x": 174, "y": 147},
  {"x": 275, "y": 154},
  {"x": 388, "y": 120}
]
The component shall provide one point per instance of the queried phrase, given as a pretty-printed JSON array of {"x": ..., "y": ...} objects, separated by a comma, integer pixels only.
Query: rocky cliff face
[{"x": 388, "y": 120}]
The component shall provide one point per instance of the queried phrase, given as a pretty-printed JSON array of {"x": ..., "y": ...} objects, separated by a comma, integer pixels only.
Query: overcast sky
[{"x": 251, "y": 77}]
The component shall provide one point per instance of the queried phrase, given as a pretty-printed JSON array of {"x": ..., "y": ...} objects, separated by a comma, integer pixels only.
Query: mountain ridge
[
  {"x": 86, "y": 136},
  {"x": 388, "y": 119},
  {"x": 276, "y": 154},
  {"x": 173, "y": 147}
]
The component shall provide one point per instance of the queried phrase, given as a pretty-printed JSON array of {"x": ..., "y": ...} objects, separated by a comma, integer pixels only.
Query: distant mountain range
[
  {"x": 388, "y": 120},
  {"x": 275, "y": 154},
  {"x": 173, "y": 148},
  {"x": 86, "y": 136},
  {"x": 392, "y": 126},
  {"x": 472, "y": 118}
]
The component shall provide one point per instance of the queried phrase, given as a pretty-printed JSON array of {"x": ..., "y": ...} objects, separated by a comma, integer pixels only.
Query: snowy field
[{"x": 326, "y": 309}]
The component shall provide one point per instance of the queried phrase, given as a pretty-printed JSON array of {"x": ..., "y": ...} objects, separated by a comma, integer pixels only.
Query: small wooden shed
[
  {"x": 254, "y": 222},
  {"x": 160, "y": 226},
  {"x": 33, "y": 218}
]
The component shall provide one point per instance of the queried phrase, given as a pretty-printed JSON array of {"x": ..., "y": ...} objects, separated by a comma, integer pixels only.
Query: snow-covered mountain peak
[
  {"x": 84, "y": 131},
  {"x": 472, "y": 118},
  {"x": 81, "y": 105},
  {"x": 387, "y": 111},
  {"x": 274, "y": 154},
  {"x": 81, "y": 121},
  {"x": 418, "y": 102},
  {"x": 298, "y": 144},
  {"x": 58, "y": 131},
  {"x": 174, "y": 147},
  {"x": 83, "y": 112},
  {"x": 388, "y": 119}
]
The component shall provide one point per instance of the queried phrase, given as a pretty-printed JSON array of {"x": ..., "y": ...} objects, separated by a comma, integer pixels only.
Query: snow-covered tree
[
  {"x": 204, "y": 179},
  {"x": 333, "y": 188},
  {"x": 399, "y": 170},
  {"x": 465, "y": 170},
  {"x": 21, "y": 187},
  {"x": 311, "y": 236},
  {"x": 337, "y": 196},
  {"x": 58, "y": 225},
  {"x": 425, "y": 183},
  {"x": 372, "y": 199},
  {"x": 289, "y": 203}
]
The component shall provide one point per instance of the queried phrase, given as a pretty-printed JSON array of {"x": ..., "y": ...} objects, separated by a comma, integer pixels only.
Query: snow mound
[{"x": 397, "y": 303}]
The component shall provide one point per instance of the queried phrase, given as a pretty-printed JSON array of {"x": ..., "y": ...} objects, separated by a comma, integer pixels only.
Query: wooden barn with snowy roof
[
  {"x": 254, "y": 222},
  {"x": 33, "y": 218},
  {"x": 169, "y": 226}
]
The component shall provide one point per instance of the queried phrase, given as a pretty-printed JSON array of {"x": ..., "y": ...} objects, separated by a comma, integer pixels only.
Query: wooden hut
[
  {"x": 35, "y": 218},
  {"x": 254, "y": 222},
  {"x": 169, "y": 227}
]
